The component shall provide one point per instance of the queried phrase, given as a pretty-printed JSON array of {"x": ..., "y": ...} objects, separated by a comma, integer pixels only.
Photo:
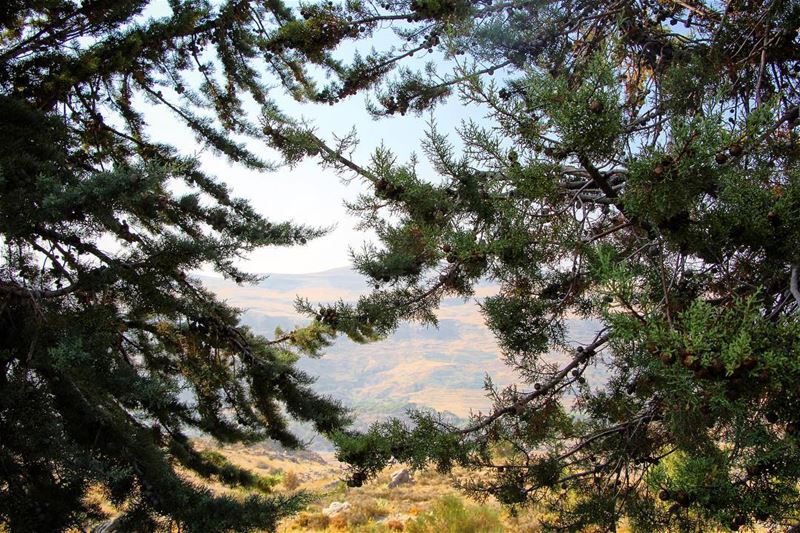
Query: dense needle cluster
[
  {"x": 111, "y": 356},
  {"x": 637, "y": 166}
]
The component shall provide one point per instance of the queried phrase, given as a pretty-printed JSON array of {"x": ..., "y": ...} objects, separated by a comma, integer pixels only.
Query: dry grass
[
  {"x": 424, "y": 507},
  {"x": 450, "y": 514},
  {"x": 290, "y": 480},
  {"x": 311, "y": 521},
  {"x": 372, "y": 504},
  {"x": 430, "y": 505}
]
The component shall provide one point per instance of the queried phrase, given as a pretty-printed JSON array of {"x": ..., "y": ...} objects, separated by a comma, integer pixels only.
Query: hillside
[
  {"x": 427, "y": 503},
  {"x": 438, "y": 368}
]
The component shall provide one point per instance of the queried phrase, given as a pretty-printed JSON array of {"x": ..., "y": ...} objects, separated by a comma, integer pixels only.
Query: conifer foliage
[
  {"x": 110, "y": 355},
  {"x": 638, "y": 166}
]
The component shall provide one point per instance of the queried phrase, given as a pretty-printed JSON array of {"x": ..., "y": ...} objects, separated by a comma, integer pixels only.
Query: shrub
[
  {"x": 364, "y": 511},
  {"x": 290, "y": 480},
  {"x": 312, "y": 521},
  {"x": 450, "y": 515},
  {"x": 339, "y": 522},
  {"x": 395, "y": 525}
]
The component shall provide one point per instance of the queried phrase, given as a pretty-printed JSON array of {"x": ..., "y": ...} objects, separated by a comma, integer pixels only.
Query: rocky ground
[{"x": 400, "y": 499}]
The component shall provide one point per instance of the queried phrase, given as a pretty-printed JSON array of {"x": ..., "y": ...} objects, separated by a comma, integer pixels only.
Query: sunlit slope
[{"x": 441, "y": 368}]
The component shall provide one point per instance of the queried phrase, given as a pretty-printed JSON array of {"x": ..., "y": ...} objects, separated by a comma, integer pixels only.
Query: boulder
[
  {"x": 401, "y": 477},
  {"x": 335, "y": 508}
]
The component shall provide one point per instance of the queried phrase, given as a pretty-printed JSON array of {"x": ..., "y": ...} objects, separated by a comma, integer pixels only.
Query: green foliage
[
  {"x": 518, "y": 322},
  {"x": 370, "y": 452},
  {"x": 628, "y": 171},
  {"x": 450, "y": 514},
  {"x": 109, "y": 353},
  {"x": 636, "y": 167},
  {"x": 586, "y": 118}
]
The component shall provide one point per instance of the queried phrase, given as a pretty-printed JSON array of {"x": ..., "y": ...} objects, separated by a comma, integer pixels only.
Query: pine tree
[
  {"x": 637, "y": 167},
  {"x": 111, "y": 356}
]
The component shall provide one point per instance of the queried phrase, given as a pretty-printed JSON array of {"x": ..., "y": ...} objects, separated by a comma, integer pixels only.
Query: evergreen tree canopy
[
  {"x": 109, "y": 353},
  {"x": 638, "y": 167}
]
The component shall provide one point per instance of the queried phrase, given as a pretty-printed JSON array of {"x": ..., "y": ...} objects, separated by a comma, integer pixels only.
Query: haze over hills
[{"x": 439, "y": 368}]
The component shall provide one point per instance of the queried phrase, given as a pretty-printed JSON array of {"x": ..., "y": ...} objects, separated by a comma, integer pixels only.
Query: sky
[{"x": 308, "y": 194}]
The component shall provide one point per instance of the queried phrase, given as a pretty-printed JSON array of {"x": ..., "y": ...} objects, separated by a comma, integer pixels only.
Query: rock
[
  {"x": 335, "y": 508},
  {"x": 401, "y": 477}
]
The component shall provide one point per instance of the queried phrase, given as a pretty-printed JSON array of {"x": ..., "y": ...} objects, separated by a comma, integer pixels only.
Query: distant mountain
[{"x": 439, "y": 368}]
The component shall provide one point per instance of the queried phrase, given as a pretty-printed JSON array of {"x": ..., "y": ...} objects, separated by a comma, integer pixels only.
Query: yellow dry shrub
[
  {"x": 366, "y": 510},
  {"x": 395, "y": 525},
  {"x": 312, "y": 521},
  {"x": 290, "y": 480},
  {"x": 338, "y": 522}
]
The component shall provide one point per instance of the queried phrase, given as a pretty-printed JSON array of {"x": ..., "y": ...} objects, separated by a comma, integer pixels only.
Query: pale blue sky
[{"x": 308, "y": 194}]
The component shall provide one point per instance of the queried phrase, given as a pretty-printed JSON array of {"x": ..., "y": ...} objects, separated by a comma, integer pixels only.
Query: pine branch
[{"x": 582, "y": 355}]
